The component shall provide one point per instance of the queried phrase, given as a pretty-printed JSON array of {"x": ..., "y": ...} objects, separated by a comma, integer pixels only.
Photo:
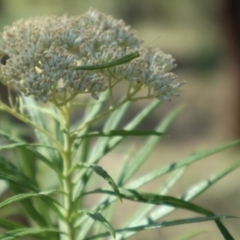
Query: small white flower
[{"x": 43, "y": 53}]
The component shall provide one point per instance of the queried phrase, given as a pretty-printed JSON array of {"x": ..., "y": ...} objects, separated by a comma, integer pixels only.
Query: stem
[
  {"x": 104, "y": 114},
  {"x": 24, "y": 119},
  {"x": 86, "y": 124},
  {"x": 67, "y": 184}
]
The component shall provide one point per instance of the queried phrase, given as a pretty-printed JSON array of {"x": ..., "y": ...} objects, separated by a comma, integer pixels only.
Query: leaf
[
  {"x": 27, "y": 163},
  {"x": 102, "y": 173},
  {"x": 18, "y": 143},
  {"x": 11, "y": 173},
  {"x": 23, "y": 196},
  {"x": 144, "y": 152},
  {"x": 10, "y": 137},
  {"x": 57, "y": 127},
  {"x": 181, "y": 163},
  {"x": 147, "y": 148},
  {"x": 144, "y": 210},
  {"x": 97, "y": 152},
  {"x": 97, "y": 217},
  {"x": 8, "y": 224},
  {"x": 196, "y": 189},
  {"x": 192, "y": 192},
  {"x": 15, "y": 234},
  {"x": 90, "y": 113},
  {"x": 3, "y": 187},
  {"x": 151, "y": 198},
  {"x": 103, "y": 146},
  {"x": 45, "y": 160},
  {"x": 23, "y": 144},
  {"x": 156, "y": 199},
  {"x": 106, "y": 145},
  {"x": 161, "y": 225},
  {"x": 39, "y": 119},
  {"x": 121, "y": 132}
]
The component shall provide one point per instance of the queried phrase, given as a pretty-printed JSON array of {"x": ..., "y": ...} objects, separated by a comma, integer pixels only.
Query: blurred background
[{"x": 204, "y": 37}]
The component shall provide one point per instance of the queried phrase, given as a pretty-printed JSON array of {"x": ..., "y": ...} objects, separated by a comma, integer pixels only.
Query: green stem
[
  {"x": 110, "y": 110},
  {"x": 67, "y": 184},
  {"x": 24, "y": 119}
]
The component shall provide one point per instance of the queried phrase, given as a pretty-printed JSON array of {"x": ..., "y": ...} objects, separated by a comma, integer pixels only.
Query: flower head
[{"x": 42, "y": 54}]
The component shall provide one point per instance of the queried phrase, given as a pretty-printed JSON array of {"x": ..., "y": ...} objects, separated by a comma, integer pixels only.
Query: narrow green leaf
[
  {"x": 18, "y": 143},
  {"x": 161, "y": 225},
  {"x": 97, "y": 217},
  {"x": 30, "y": 207},
  {"x": 3, "y": 187},
  {"x": 11, "y": 173},
  {"x": 39, "y": 119},
  {"x": 193, "y": 191},
  {"x": 144, "y": 210},
  {"x": 23, "y": 196},
  {"x": 45, "y": 160},
  {"x": 23, "y": 144},
  {"x": 23, "y": 232},
  {"x": 59, "y": 135},
  {"x": 50, "y": 202},
  {"x": 10, "y": 137},
  {"x": 112, "y": 122},
  {"x": 181, "y": 163},
  {"x": 47, "y": 202},
  {"x": 90, "y": 113},
  {"x": 8, "y": 224},
  {"x": 122, "y": 132},
  {"x": 143, "y": 153},
  {"x": 156, "y": 199},
  {"x": 27, "y": 163},
  {"x": 196, "y": 190},
  {"x": 107, "y": 144},
  {"x": 102, "y": 173},
  {"x": 15, "y": 179},
  {"x": 100, "y": 148},
  {"x": 85, "y": 147}
]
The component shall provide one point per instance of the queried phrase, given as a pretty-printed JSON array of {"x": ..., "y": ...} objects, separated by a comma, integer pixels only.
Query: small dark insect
[{"x": 4, "y": 59}]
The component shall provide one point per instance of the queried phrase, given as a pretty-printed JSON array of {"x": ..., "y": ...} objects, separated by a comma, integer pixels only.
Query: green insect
[{"x": 119, "y": 61}]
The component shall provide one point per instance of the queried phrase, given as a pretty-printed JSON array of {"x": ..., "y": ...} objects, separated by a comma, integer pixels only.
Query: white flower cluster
[{"x": 40, "y": 56}]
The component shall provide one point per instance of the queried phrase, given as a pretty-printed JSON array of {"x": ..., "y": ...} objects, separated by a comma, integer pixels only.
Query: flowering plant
[{"x": 58, "y": 61}]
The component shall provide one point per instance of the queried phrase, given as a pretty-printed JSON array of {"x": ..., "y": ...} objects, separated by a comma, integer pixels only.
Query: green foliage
[
  {"x": 68, "y": 159},
  {"x": 49, "y": 175}
]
